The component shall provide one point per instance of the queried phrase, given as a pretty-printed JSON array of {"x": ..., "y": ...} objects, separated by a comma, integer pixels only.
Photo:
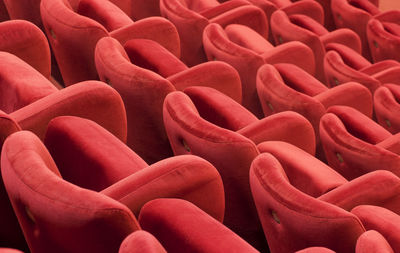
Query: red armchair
[
  {"x": 372, "y": 241},
  {"x": 304, "y": 29},
  {"x": 355, "y": 14},
  {"x": 286, "y": 87},
  {"x": 141, "y": 242},
  {"x": 295, "y": 193},
  {"x": 383, "y": 35},
  {"x": 387, "y": 108},
  {"x": 73, "y": 29},
  {"x": 191, "y": 231},
  {"x": 92, "y": 158},
  {"x": 354, "y": 144},
  {"x": 342, "y": 64},
  {"x": 190, "y": 21},
  {"x": 385, "y": 222},
  {"x": 213, "y": 126},
  {"x": 57, "y": 216},
  {"x": 246, "y": 50},
  {"x": 144, "y": 73}
]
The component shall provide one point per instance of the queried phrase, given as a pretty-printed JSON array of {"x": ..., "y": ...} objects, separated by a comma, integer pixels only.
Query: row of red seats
[{"x": 313, "y": 93}]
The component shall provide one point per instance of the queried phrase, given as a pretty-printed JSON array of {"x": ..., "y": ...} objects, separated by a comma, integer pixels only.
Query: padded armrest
[
  {"x": 308, "y": 8},
  {"x": 158, "y": 29},
  {"x": 389, "y": 16},
  {"x": 250, "y": 16},
  {"x": 381, "y": 188},
  {"x": 392, "y": 144},
  {"x": 351, "y": 57},
  {"x": 350, "y": 94},
  {"x": 222, "y": 8},
  {"x": 283, "y": 126},
  {"x": 372, "y": 241},
  {"x": 187, "y": 177},
  {"x": 248, "y": 38},
  {"x": 343, "y": 36},
  {"x": 219, "y": 109},
  {"x": 7, "y": 127},
  {"x": 379, "y": 66},
  {"x": 140, "y": 241},
  {"x": 383, "y": 221},
  {"x": 218, "y": 75},
  {"x": 390, "y": 75},
  {"x": 85, "y": 99}
]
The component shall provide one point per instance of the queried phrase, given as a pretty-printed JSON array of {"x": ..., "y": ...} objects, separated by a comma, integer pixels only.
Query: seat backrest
[
  {"x": 143, "y": 93},
  {"x": 53, "y": 212},
  {"x": 387, "y": 107},
  {"x": 292, "y": 219},
  {"x": 230, "y": 152}
]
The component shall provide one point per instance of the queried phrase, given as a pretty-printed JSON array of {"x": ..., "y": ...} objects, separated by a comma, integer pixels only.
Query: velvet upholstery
[
  {"x": 383, "y": 35},
  {"x": 293, "y": 220},
  {"x": 383, "y": 221},
  {"x": 141, "y": 242},
  {"x": 355, "y": 14},
  {"x": 143, "y": 73},
  {"x": 28, "y": 42},
  {"x": 342, "y": 64},
  {"x": 304, "y": 29},
  {"x": 73, "y": 30},
  {"x": 84, "y": 99},
  {"x": 246, "y": 50},
  {"x": 286, "y": 87},
  {"x": 372, "y": 241},
  {"x": 54, "y": 213},
  {"x": 182, "y": 227},
  {"x": 387, "y": 107},
  {"x": 8, "y": 250},
  {"x": 190, "y": 21},
  {"x": 92, "y": 158},
  {"x": 211, "y": 125},
  {"x": 24, "y": 9},
  {"x": 354, "y": 144},
  {"x": 315, "y": 250}
]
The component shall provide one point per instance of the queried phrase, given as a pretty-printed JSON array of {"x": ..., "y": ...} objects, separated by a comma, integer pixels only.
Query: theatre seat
[
  {"x": 141, "y": 242},
  {"x": 73, "y": 29},
  {"x": 387, "y": 107}
]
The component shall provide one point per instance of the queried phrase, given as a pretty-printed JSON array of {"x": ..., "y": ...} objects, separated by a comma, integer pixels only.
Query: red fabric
[
  {"x": 372, "y": 241},
  {"x": 52, "y": 212},
  {"x": 302, "y": 28},
  {"x": 182, "y": 227},
  {"x": 73, "y": 37},
  {"x": 230, "y": 152},
  {"x": 191, "y": 23},
  {"x": 352, "y": 143},
  {"x": 387, "y": 107},
  {"x": 293, "y": 220},
  {"x": 316, "y": 250},
  {"x": 24, "y": 9},
  {"x": 355, "y": 14},
  {"x": 383, "y": 221},
  {"x": 94, "y": 159},
  {"x": 246, "y": 50},
  {"x": 141, "y": 242}
]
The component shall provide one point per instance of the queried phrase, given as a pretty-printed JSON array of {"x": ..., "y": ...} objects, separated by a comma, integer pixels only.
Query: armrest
[
  {"x": 390, "y": 75},
  {"x": 350, "y": 94},
  {"x": 220, "y": 109},
  {"x": 389, "y": 16},
  {"x": 372, "y": 241},
  {"x": 93, "y": 100},
  {"x": 392, "y": 144},
  {"x": 381, "y": 188},
  {"x": 7, "y": 127},
  {"x": 387, "y": 108},
  {"x": 293, "y": 52},
  {"x": 381, "y": 220},
  {"x": 379, "y": 66},
  {"x": 283, "y": 126},
  {"x": 218, "y": 75},
  {"x": 222, "y": 8},
  {"x": 343, "y": 36},
  {"x": 141, "y": 241},
  {"x": 248, "y": 38},
  {"x": 352, "y": 58},
  {"x": 158, "y": 29},
  {"x": 187, "y": 177},
  {"x": 194, "y": 231},
  {"x": 250, "y": 16},
  {"x": 308, "y": 8},
  {"x": 87, "y": 155}
]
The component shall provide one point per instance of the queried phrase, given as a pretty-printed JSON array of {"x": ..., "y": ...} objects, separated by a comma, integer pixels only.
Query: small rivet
[
  {"x": 107, "y": 81},
  {"x": 339, "y": 157},
  {"x": 336, "y": 81},
  {"x": 280, "y": 39},
  {"x": 29, "y": 214},
  {"x": 270, "y": 106},
  {"x": 339, "y": 17},
  {"x": 214, "y": 58},
  {"x": 375, "y": 44},
  {"x": 275, "y": 217},
  {"x": 388, "y": 123},
  {"x": 185, "y": 145},
  {"x": 53, "y": 34}
]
